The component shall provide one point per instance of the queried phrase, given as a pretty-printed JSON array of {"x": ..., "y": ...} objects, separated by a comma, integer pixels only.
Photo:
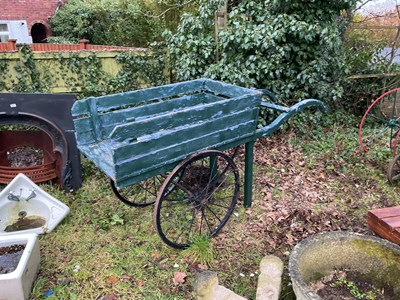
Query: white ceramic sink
[
  {"x": 26, "y": 208},
  {"x": 17, "y": 284}
]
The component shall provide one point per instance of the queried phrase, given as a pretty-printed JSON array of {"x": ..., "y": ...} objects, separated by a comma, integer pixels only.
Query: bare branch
[
  {"x": 362, "y": 5},
  {"x": 172, "y": 7}
]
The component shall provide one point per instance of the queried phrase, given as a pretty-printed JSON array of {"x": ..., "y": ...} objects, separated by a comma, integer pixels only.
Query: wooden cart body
[{"x": 135, "y": 135}]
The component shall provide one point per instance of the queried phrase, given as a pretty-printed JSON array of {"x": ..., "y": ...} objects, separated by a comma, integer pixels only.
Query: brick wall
[{"x": 33, "y": 11}]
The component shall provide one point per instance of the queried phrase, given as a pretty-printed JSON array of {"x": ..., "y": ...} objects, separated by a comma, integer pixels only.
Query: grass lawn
[{"x": 303, "y": 184}]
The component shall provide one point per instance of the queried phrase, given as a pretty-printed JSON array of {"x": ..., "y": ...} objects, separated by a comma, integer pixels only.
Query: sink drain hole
[{"x": 22, "y": 214}]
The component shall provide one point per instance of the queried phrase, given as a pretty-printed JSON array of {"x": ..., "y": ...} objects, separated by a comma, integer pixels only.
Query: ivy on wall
[
  {"x": 150, "y": 69},
  {"x": 21, "y": 75},
  {"x": 82, "y": 73},
  {"x": 3, "y": 69}
]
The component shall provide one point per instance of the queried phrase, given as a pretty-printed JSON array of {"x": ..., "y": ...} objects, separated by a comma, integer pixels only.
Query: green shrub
[
  {"x": 292, "y": 48},
  {"x": 124, "y": 22},
  {"x": 361, "y": 56}
]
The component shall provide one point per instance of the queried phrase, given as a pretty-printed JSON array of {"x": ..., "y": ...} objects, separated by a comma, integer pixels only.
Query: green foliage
[
  {"x": 83, "y": 72},
  {"x": 80, "y": 26},
  {"x": 292, "y": 48},
  {"x": 29, "y": 77},
  {"x": 201, "y": 250},
  {"x": 330, "y": 140},
  {"x": 107, "y": 22},
  {"x": 361, "y": 55},
  {"x": 355, "y": 291},
  {"x": 3, "y": 72},
  {"x": 144, "y": 68},
  {"x": 60, "y": 40},
  {"x": 105, "y": 222}
]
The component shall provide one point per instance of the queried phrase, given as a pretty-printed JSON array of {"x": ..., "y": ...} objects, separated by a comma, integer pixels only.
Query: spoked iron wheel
[
  {"x": 141, "y": 194},
  {"x": 393, "y": 170},
  {"x": 197, "y": 198},
  {"x": 384, "y": 115},
  {"x": 233, "y": 152}
]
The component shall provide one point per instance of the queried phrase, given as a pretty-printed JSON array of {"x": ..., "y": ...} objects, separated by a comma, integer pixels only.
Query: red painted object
[
  {"x": 48, "y": 170},
  {"x": 385, "y": 222},
  {"x": 391, "y": 123}
]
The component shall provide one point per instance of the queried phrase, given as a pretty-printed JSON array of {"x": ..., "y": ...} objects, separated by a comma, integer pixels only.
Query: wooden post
[{"x": 221, "y": 21}]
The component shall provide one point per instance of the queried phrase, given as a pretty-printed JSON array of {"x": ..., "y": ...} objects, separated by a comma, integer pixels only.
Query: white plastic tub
[
  {"x": 23, "y": 199},
  {"x": 17, "y": 285}
]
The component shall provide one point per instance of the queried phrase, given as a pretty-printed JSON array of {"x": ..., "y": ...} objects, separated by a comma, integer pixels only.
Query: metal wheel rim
[
  {"x": 191, "y": 202},
  {"x": 393, "y": 170},
  {"x": 390, "y": 126},
  {"x": 133, "y": 196}
]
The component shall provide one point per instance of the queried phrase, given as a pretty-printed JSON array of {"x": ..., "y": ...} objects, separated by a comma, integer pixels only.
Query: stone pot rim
[{"x": 304, "y": 244}]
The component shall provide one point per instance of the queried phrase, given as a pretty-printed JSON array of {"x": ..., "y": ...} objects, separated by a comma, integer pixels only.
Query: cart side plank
[
  {"x": 153, "y": 109},
  {"x": 107, "y": 121},
  {"x": 188, "y": 115},
  {"x": 136, "y": 158},
  {"x": 100, "y": 155},
  {"x": 158, "y": 93},
  {"x": 139, "y": 96},
  {"x": 129, "y": 180},
  {"x": 226, "y": 89},
  {"x": 178, "y": 152},
  {"x": 184, "y": 133},
  {"x": 188, "y": 138}
]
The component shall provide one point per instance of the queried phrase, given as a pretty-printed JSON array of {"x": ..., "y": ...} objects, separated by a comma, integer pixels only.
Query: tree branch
[{"x": 167, "y": 10}]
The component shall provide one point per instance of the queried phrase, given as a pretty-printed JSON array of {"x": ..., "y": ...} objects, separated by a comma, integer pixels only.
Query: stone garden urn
[{"x": 373, "y": 259}]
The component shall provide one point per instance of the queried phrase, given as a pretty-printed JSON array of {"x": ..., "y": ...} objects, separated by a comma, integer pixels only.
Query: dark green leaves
[{"x": 293, "y": 48}]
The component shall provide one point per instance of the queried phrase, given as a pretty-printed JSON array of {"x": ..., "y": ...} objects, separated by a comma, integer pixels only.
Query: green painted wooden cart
[{"x": 165, "y": 145}]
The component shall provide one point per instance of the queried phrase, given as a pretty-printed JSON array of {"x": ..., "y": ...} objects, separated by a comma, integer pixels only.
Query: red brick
[{"x": 32, "y": 11}]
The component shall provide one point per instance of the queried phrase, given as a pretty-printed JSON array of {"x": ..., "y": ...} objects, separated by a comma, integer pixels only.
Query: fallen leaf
[
  {"x": 179, "y": 277},
  {"x": 86, "y": 220},
  {"x": 297, "y": 179},
  {"x": 140, "y": 283},
  {"x": 110, "y": 297},
  {"x": 112, "y": 280},
  {"x": 155, "y": 256}
]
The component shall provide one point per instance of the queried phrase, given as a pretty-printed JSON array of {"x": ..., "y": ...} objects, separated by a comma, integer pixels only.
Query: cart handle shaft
[{"x": 287, "y": 113}]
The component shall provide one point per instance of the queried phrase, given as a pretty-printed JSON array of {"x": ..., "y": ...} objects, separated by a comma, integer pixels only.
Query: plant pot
[
  {"x": 17, "y": 284},
  {"x": 321, "y": 255},
  {"x": 26, "y": 208}
]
